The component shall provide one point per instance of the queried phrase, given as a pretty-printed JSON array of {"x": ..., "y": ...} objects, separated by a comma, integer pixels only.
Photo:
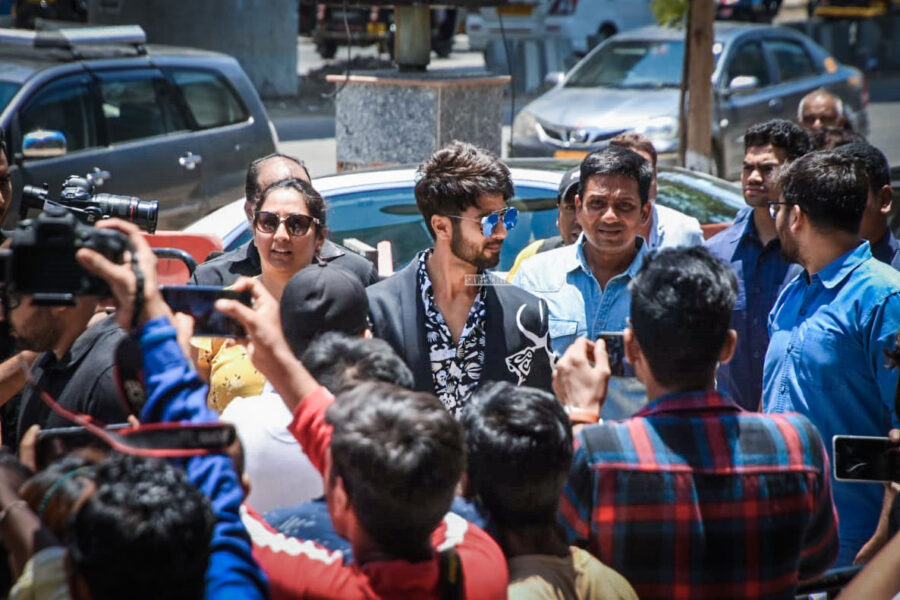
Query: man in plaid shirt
[{"x": 693, "y": 496}]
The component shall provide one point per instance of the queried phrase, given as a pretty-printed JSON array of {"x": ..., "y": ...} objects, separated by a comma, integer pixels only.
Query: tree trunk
[{"x": 698, "y": 50}]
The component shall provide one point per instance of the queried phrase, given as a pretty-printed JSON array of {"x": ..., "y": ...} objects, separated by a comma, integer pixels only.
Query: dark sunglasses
[
  {"x": 296, "y": 225},
  {"x": 509, "y": 215}
]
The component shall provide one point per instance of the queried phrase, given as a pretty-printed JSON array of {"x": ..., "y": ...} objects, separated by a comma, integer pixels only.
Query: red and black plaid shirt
[{"x": 695, "y": 497}]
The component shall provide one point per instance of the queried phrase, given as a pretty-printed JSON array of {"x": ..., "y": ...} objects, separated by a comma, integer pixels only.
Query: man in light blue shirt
[
  {"x": 830, "y": 327},
  {"x": 585, "y": 284}
]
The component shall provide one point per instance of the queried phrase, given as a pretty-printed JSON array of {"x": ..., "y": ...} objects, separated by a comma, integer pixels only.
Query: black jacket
[
  {"x": 518, "y": 344},
  {"x": 225, "y": 269}
]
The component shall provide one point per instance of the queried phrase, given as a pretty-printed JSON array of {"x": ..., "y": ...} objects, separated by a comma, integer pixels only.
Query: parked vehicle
[
  {"x": 631, "y": 82},
  {"x": 363, "y": 26},
  {"x": 584, "y": 22},
  {"x": 380, "y": 204},
  {"x": 175, "y": 125},
  {"x": 747, "y": 10}
]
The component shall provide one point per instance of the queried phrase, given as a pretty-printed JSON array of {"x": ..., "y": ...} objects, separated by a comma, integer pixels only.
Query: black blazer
[{"x": 516, "y": 330}]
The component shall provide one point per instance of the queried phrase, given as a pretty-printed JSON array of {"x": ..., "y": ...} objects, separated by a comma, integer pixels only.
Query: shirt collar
[
  {"x": 84, "y": 343},
  {"x": 577, "y": 260},
  {"x": 840, "y": 268},
  {"x": 701, "y": 400}
]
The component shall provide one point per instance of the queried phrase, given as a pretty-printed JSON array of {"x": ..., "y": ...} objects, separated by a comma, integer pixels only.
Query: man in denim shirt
[
  {"x": 585, "y": 285},
  {"x": 830, "y": 327},
  {"x": 752, "y": 249}
]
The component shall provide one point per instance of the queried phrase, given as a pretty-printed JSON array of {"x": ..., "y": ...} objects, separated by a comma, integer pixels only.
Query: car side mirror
[
  {"x": 554, "y": 78},
  {"x": 743, "y": 84},
  {"x": 44, "y": 143}
]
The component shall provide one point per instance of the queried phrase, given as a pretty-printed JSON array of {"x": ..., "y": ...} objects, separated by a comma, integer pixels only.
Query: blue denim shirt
[
  {"x": 826, "y": 361},
  {"x": 761, "y": 275},
  {"x": 578, "y": 306}
]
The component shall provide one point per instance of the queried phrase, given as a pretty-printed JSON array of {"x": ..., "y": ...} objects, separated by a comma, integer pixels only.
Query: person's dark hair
[
  {"x": 453, "y": 178},
  {"x": 830, "y": 187},
  {"x": 782, "y": 134},
  {"x": 340, "y": 362},
  {"x": 251, "y": 181},
  {"x": 829, "y": 138},
  {"x": 873, "y": 161},
  {"x": 636, "y": 141},
  {"x": 53, "y": 493},
  {"x": 681, "y": 305},
  {"x": 400, "y": 455},
  {"x": 314, "y": 201},
  {"x": 144, "y": 534},
  {"x": 617, "y": 160},
  {"x": 519, "y": 450}
]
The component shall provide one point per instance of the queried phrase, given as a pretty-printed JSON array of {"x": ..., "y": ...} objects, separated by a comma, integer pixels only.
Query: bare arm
[{"x": 12, "y": 378}]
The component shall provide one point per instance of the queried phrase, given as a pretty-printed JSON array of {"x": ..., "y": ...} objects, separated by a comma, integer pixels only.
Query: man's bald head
[
  {"x": 265, "y": 171},
  {"x": 820, "y": 109}
]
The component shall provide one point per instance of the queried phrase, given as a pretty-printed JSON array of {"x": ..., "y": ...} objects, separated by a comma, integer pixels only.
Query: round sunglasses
[
  {"x": 296, "y": 225},
  {"x": 510, "y": 217}
]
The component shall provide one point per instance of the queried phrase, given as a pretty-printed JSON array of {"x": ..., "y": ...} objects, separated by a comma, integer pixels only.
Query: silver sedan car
[{"x": 631, "y": 83}]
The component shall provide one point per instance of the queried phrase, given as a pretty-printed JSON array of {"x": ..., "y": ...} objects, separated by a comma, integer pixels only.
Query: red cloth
[{"x": 302, "y": 569}]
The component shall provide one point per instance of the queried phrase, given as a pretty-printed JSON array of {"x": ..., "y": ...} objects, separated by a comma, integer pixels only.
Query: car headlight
[
  {"x": 662, "y": 132},
  {"x": 524, "y": 125}
]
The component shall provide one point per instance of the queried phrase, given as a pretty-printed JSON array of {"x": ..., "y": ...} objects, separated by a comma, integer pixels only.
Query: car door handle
[
  {"x": 776, "y": 104},
  {"x": 189, "y": 160}
]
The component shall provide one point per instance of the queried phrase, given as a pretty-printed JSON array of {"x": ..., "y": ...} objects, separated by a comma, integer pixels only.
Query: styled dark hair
[
  {"x": 54, "y": 492},
  {"x": 681, "y": 305},
  {"x": 314, "y": 201},
  {"x": 251, "y": 181},
  {"x": 617, "y": 160},
  {"x": 873, "y": 161},
  {"x": 519, "y": 443},
  {"x": 636, "y": 141},
  {"x": 830, "y": 187},
  {"x": 340, "y": 362},
  {"x": 145, "y": 533},
  {"x": 453, "y": 178},
  {"x": 400, "y": 455},
  {"x": 829, "y": 138},
  {"x": 782, "y": 134}
]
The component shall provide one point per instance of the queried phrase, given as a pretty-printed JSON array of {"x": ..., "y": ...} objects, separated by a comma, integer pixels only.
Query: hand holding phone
[{"x": 199, "y": 302}]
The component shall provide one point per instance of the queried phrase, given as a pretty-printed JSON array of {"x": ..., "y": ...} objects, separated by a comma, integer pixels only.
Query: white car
[
  {"x": 380, "y": 204},
  {"x": 576, "y": 20}
]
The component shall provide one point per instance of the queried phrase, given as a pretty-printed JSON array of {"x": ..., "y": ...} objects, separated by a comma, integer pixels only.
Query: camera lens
[{"x": 143, "y": 213}]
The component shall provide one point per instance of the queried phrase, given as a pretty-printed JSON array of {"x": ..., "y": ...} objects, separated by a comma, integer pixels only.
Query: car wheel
[
  {"x": 327, "y": 49},
  {"x": 442, "y": 47}
]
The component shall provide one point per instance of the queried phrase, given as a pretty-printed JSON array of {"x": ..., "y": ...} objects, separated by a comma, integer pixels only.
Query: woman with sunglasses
[{"x": 289, "y": 230}]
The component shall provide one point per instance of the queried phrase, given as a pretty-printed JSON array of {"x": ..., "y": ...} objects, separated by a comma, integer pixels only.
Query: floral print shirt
[{"x": 455, "y": 368}]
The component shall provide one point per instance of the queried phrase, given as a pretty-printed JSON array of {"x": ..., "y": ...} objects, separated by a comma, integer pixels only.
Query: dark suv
[{"x": 175, "y": 125}]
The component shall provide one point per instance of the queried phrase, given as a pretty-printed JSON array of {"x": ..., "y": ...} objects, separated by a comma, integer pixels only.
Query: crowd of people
[{"x": 447, "y": 433}]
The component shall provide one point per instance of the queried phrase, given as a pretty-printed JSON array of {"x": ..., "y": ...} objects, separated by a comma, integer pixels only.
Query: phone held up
[
  {"x": 860, "y": 458},
  {"x": 199, "y": 302},
  {"x": 615, "y": 349}
]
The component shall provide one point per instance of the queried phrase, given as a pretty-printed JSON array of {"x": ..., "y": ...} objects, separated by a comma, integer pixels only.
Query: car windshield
[
  {"x": 8, "y": 89},
  {"x": 631, "y": 65}
]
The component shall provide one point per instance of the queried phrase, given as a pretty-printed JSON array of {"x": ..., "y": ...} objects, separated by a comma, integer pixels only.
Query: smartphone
[
  {"x": 53, "y": 444},
  {"x": 615, "y": 348},
  {"x": 859, "y": 458},
  {"x": 199, "y": 302}
]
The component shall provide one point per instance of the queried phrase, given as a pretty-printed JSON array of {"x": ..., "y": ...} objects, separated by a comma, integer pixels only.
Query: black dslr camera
[
  {"x": 41, "y": 259},
  {"x": 78, "y": 197}
]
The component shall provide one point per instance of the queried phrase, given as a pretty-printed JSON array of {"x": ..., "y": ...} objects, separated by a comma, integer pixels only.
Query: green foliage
[{"x": 671, "y": 13}]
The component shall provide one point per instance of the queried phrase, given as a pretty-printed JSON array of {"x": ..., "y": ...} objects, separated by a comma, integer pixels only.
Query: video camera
[
  {"x": 41, "y": 259},
  {"x": 78, "y": 197}
]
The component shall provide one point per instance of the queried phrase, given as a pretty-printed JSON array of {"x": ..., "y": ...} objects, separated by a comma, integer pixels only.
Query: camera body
[
  {"x": 41, "y": 259},
  {"x": 78, "y": 196}
]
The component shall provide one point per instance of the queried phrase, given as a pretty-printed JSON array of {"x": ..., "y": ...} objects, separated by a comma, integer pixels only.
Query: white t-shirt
[{"x": 280, "y": 473}]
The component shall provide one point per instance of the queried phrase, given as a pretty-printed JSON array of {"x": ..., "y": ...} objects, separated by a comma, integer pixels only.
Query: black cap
[
  {"x": 569, "y": 180},
  {"x": 319, "y": 298}
]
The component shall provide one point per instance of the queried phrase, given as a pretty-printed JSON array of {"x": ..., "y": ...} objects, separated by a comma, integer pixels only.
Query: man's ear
[
  {"x": 796, "y": 218},
  {"x": 633, "y": 352},
  {"x": 248, "y": 210},
  {"x": 727, "y": 351},
  {"x": 645, "y": 211},
  {"x": 885, "y": 199},
  {"x": 442, "y": 226},
  {"x": 578, "y": 203}
]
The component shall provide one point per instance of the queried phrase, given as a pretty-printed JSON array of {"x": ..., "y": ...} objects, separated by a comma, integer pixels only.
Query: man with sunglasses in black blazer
[{"x": 452, "y": 322}]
